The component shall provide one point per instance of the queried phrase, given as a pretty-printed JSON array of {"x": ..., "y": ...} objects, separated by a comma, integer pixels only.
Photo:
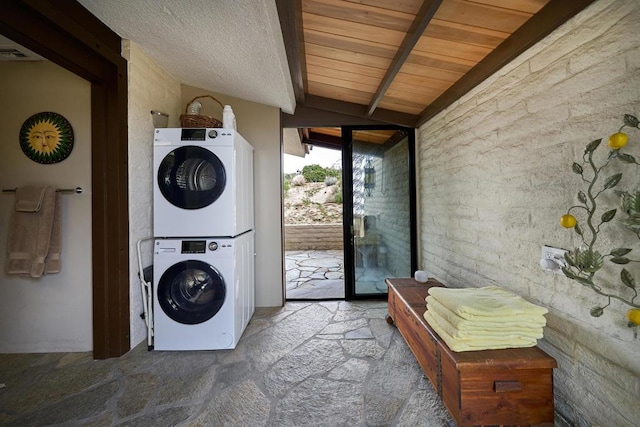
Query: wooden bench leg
[{"x": 389, "y": 319}]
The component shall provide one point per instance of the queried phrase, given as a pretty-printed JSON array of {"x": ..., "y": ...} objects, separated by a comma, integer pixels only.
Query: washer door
[
  {"x": 191, "y": 177},
  {"x": 191, "y": 292}
]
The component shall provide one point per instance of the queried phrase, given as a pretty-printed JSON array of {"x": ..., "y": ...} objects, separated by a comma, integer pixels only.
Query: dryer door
[
  {"x": 191, "y": 177},
  {"x": 191, "y": 292}
]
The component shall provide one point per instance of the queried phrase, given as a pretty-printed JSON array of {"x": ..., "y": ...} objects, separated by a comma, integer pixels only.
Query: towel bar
[{"x": 77, "y": 190}]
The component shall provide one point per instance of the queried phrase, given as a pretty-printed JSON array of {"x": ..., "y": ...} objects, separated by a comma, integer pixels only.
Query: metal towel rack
[{"x": 77, "y": 190}]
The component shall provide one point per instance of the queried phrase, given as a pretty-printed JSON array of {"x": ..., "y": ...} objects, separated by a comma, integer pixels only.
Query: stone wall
[
  {"x": 302, "y": 237},
  {"x": 150, "y": 88},
  {"x": 495, "y": 177},
  {"x": 389, "y": 203}
]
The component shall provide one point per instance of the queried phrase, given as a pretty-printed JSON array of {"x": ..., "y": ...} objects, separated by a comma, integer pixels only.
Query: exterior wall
[
  {"x": 150, "y": 88},
  {"x": 52, "y": 313},
  {"x": 495, "y": 177},
  {"x": 389, "y": 202},
  {"x": 260, "y": 125},
  {"x": 302, "y": 237}
]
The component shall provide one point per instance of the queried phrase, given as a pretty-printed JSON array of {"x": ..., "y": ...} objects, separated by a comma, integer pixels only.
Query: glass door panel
[{"x": 382, "y": 208}]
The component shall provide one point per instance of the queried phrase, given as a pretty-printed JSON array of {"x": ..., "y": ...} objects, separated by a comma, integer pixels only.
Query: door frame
[
  {"x": 67, "y": 34},
  {"x": 347, "y": 207}
]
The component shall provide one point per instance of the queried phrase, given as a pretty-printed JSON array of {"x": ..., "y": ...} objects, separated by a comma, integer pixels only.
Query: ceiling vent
[
  {"x": 9, "y": 54},
  {"x": 12, "y": 51}
]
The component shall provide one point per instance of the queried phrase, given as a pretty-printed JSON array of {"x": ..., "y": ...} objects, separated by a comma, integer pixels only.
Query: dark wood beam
[
  {"x": 550, "y": 17},
  {"x": 325, "y": 112},
  {"x": 68, "y": 35},
  {"x": 290, "y": 15},
  {"x": 323, "y": 140},
  {"x": 422, "y": 19}
]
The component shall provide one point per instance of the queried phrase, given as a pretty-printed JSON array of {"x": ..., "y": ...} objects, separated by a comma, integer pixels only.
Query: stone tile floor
[
  {"x": 319, "y": 274},
  {"x": 307, "y": 364}
]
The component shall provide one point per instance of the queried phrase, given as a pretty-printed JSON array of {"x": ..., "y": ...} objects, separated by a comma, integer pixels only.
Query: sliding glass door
[{"x": 379, "y": 208}]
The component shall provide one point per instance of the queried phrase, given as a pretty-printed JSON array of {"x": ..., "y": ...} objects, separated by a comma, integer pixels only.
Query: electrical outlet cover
[{"x": 556, "y": 256}]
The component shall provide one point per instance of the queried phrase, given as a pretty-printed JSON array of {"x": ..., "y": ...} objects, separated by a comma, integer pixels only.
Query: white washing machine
[
  {"x": 203, "y": 183},
  {"x": 203, "y": 292}
]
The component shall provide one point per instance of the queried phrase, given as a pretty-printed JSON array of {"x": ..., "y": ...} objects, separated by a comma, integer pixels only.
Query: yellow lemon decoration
[
  {"x": 568, "y": 221},
  {"x": 634, "y": 316},
  {"x": 618, "y": 140}
]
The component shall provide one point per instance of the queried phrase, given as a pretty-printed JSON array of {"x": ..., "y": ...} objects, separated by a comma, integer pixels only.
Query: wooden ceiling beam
[
  {"x": 550, "y": 17},
  {"x": 422, "y": 19},
  {"x": 323, "y": 140},
  {"x": 290, "y": 15},
  {"x": 325, "y": 112}
]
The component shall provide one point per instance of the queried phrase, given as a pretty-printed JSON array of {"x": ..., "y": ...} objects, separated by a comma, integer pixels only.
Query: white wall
[
  {"x": 260, "y": 125},
  {"x": 52, "y": 313},
  {"x": 495, "y": 177},
  {"x": 150, "y": 88}
]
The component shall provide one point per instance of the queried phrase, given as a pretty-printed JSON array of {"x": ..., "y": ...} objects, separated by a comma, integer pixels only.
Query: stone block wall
[
  {"x": 150, "y": 88},
  {"x": 495, "y": 176},
  {"x": 304, "y": 237},
  {"x": 389, "y": 203}
]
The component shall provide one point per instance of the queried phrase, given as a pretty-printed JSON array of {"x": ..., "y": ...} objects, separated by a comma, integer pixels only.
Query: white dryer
[
  {"x": 203, "y": 292},
  {"x": 203, "y": 183}
]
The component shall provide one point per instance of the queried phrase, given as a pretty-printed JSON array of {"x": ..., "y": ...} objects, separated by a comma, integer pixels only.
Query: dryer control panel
[
  {"x": 194, "y": 246},
  {"x": 177, "y": 247}
]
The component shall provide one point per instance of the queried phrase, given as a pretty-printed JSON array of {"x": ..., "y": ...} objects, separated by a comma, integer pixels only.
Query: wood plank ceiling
[{"x": 403, "y": 61}]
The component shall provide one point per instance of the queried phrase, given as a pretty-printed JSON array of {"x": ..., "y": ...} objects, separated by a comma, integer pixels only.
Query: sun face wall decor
[{"x": 46, "y": 138}]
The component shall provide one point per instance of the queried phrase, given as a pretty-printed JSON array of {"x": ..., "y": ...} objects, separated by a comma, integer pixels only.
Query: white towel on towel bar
[{"x": 35, "y": 225}]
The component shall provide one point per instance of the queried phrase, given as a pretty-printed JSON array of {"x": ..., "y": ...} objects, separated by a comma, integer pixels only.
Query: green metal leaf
[
  {"x": 613, "y": 180},
  {"x": 630, "y": 203},
  {"x": 577, "y": 168},
  {"x": 608, "y": 215},
  {"x": 626, "y": 158},
  {"x": 630, "y": 120},
  {"x": 620, "y": 260},
  {"x": 620, "y": 251},
  {"x": 583, "y": 280},
  {"x": 578, "y": 230},
  {"x": 597, "y": 311},
  {"x": 582, "y": 197},
  {"x": 569, "y": 260},
  {"x": 568, "y": 273},
  {"x": 627, "y": 279},
  {"x": 590, "y": 148}
]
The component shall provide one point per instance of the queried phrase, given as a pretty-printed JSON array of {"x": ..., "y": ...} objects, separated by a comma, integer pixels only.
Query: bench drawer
[{"x": 497, "y": 397}]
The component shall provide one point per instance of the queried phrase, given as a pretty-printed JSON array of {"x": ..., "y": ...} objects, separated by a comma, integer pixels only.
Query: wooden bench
[{"x": 488, "y": 387}]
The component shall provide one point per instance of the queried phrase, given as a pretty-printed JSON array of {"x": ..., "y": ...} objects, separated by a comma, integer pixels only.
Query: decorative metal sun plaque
[{"x": 46, "y": 138}]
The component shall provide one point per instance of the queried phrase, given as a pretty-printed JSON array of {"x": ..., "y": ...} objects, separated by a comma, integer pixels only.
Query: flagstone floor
[{"x": 319, "y": 364}]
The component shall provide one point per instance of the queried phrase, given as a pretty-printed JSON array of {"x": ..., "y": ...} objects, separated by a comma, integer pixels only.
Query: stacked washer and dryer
[{"x": 203, "y": 223}]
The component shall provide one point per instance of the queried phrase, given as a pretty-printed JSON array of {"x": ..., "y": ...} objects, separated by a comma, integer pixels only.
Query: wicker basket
[{"x": 199, "y": 121}]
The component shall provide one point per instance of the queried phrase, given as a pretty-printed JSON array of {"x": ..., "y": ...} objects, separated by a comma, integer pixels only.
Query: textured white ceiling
[{"x": 232, "y": 47}]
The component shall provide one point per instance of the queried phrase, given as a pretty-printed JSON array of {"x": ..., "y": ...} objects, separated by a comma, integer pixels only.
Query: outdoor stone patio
[{"x": 319, "y": 274}]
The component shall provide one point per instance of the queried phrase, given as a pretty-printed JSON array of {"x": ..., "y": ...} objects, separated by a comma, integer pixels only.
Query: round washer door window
[
  {"x": 191, "y": 177},
  {"x": 191, "y": 292}
]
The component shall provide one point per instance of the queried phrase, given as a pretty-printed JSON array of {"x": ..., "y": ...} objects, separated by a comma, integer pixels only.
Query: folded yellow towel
[
  {"x": 490, "y": 301},
  {"x": 480, "y": 323},
  {"x": 503, "y": 333},
  {"x": 458, "y": 345}
]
